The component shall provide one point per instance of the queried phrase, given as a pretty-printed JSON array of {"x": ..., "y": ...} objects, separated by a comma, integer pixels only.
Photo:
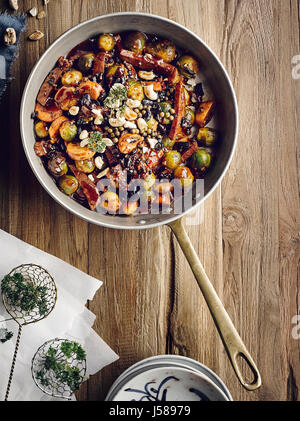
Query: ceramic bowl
[
  {"x": 168, "y": 361},
  {"x": 169, "y": 384}
]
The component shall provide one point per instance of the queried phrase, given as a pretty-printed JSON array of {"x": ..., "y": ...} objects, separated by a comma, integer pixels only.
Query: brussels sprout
[
  {"x": 164, "y": 107},
  {"x": 57, "y": 165},
  {"x": 173, "y": 159},
  {"x": 85, "y": 62},
  {"x": 68, "y": 184},
  {"x": 135, "y": 41},
  {"x": 168, "y": 143},
  {"x": 165, "y": 50},
  {"x": 149, "y": 180},
  {"x": 190, "y": 115},
  {"x": 184, "y": 174},
  {"x": 72, "y": 77},
  {"x": 41, "y": 129},
  {"x": 135, "y": 90},
  {"x": 188, "y": 66},
  {"x": 201, "y": 159},
  {"x": 85, "y": 165},
  {"x": 116, "y": 70},
  {"x": 110, "y": 201},
  {"x": 106, "y": 42},
  {"x": 129, "y": 208},
  {"x": 152, "y": 123},
  {"x": 207, "y": 136},
  {"x": 68, "y": 130}
]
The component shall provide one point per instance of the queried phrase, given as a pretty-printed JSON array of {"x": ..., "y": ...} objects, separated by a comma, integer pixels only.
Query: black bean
[
  {"x": 199, "y": 90},
  {"x": 147, "y": 102},
  {"x": 86, "y": 100}
]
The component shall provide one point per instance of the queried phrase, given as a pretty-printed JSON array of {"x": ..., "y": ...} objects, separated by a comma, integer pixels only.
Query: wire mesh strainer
[
  {"x": 54, "y": 386},
  {"x": 36, "y": 276}
]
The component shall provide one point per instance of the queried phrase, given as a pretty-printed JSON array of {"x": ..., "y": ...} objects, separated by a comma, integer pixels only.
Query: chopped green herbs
[
  {"x": 57, "y": 365},
  {"x": 117, "y": 95},
  {"x": 5, "y": 335},
  {"x": 96, "y": 142},
  {"x": 23, "y": 294}
]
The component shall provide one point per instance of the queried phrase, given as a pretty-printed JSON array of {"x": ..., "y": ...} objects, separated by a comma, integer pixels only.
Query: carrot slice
[
  {"x": 147, "y": 62},
  {"x": 189, "y": 152},
  {"x": 47, "y": 114},
  {"x": 89, "y": 188},
  {"x": 128, "y": 142},
  {"x": 205, "y": 113},
  {"x": 179, "y": 110},
  {"x": 54, "y": 128},
  {"x": 91, "y": 88}
]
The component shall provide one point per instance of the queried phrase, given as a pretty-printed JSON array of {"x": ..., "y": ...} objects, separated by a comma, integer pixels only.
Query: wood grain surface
[{"x": 247, "y": 234}]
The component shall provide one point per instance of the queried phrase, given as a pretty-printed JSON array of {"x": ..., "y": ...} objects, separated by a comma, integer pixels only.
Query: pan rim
[{"x": 92, "y": 218}]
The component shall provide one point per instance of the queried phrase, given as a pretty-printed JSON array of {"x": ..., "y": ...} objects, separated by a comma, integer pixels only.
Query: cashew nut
[
  {"x": 129, "y": 114},
  {"x": 84, "y": 135},
  {"x": 99, "y": 162},
  {"x": 117, "y": 122},
  {"x": 142, "y": 124},
  {"x": 133, "y": 103},
  {"x": 150, "y": 93},
  {"x": 129, "y": 125},
  {"x": 152, "y": 142},
  {"x": 146, "y": 75}
]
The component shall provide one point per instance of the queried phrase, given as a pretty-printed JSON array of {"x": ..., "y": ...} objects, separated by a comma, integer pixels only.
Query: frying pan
[{"x": 226, "y": 121}]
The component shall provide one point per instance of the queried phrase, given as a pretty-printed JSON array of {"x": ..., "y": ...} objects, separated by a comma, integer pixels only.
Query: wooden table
[{"x": 247, "y": 231}]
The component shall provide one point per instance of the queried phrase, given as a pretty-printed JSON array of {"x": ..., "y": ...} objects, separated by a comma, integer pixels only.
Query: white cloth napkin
[{"x": 70, "y": 319}]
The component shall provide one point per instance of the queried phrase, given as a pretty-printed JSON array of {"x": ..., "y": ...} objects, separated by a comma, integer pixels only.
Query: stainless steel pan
[{"x": 226, "y": 121}]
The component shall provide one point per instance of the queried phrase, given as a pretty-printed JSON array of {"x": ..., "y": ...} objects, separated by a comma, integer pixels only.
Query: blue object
[{"x": 8, "y": 53}]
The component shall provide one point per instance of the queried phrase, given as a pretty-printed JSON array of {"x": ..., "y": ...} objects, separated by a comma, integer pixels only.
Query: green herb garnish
[
  {"x": 96, "y": 142},
  {"x": 23, "y": 294},
  {"x": 5, "y": 335},
  {"x": 116, "y": 96},
  {"x": 56, "y": 364}
]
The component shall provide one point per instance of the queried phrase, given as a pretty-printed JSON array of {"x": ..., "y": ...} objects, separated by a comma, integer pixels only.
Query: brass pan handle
[{"x": 233, "y": 343}]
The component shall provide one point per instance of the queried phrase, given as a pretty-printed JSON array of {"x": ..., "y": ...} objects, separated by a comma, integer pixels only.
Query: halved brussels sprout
[
  {"x": 152, "y": 123},
  {"x": 85, "y": 62},
  {"x": 184, "y": 174},
  {"x": 85, "y": 165},
  {"x": 135, "y": 41},
  {"x": 188, "y": 66},
  {"x": 110, "y": 201},
  {"x": 164, "y": 107},
  {"x": 135, "y": 90},
  {"x": 207, "y": 136},
  {"x": 190, "y": 115},
  {"x": 72, "y": 77},
  {"x": 68, "y": 130},
  {"x": 106, "y": 42},
  {"x": 173, "y": 159},
  {"x": 57, "y": 165},
  {"x": 164, "y": 49},
  {"x": 41, "y": 129},
  {"x": 68, "y": 184},
  {"x": 201, "y": 159},
  {"x": 149, "y": 180},
  {"x": 168, "y": 143}
]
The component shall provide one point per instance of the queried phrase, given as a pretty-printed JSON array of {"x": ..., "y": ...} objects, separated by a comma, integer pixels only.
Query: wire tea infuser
[
  {"x": 36, "y": 276},
  {"x": 49, "y": 383}
]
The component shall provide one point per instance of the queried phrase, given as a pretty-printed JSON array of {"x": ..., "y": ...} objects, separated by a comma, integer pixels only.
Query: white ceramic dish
[
  {"x": 169, "y": 384},
  {"x": 167, "y": 361}
]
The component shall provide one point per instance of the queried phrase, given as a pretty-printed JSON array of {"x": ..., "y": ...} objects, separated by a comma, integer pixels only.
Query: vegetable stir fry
[{"x": 121, "y": 108}]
